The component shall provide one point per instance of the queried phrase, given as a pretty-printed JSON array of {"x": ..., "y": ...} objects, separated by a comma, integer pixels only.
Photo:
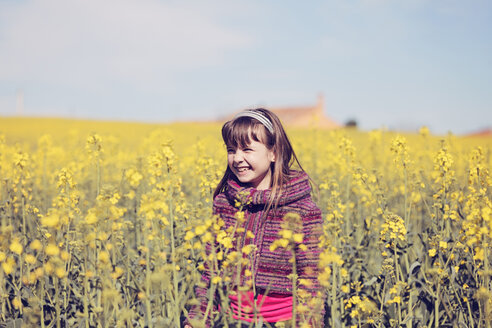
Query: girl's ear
[{"x": 272, "y": 156}]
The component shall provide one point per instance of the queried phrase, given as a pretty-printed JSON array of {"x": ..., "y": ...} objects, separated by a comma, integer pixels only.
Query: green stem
[
  {"x": 41, "y": 301},
  {"x": 57, "y": 303},
  {"x": 294, "y": 289},
  {"x": 86, "y": 291},
  {"x": 148, "y": 305},
  {"x": 436, "y": 304},
  {"x": 177, "y": 300},
  {"x": 334, "y": 295}
]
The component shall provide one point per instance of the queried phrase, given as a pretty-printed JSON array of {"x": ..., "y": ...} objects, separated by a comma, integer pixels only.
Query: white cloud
[{"x": 88, "y": 41}]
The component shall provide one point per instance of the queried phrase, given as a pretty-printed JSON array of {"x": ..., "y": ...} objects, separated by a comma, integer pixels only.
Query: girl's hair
[{"x": 240, "y": 130}]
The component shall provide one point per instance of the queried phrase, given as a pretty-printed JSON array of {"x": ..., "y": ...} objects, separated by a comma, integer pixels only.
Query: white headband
[{"x": 258, "y": 116}]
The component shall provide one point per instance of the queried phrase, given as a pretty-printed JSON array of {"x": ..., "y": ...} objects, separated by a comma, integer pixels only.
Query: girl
[{"x": 260, "y": 175}]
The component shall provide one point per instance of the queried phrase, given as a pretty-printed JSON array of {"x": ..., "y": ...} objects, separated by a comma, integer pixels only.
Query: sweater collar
[{"x": 296, "y": 188}]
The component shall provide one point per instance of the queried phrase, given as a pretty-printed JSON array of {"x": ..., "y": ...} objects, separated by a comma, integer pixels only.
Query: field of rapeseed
[{"x": 104, "y": 224}]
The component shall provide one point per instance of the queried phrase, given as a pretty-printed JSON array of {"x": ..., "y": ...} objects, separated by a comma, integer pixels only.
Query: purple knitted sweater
[{"x": 271, "y": 269}]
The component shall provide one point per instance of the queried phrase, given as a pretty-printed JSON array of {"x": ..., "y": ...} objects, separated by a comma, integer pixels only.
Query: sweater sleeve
[{"x": 307, "y": 259}]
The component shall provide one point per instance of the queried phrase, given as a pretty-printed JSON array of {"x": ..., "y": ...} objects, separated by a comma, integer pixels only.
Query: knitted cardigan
[{"x": 271, "y": 269}]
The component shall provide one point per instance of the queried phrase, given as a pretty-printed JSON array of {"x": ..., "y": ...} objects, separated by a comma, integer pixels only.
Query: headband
[{"x": 258, "y": 116}]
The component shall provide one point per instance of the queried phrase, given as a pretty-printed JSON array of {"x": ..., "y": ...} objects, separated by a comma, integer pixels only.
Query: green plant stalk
[
  {"x": 405, "y": 194},
  {"x": 212, "y": 290},
  {"x": 294, "y": 289},
  {"x": 44, "y": 179},
  {"x": 238, "y": 289},
  {"x": 41, "y": 301},
  {"x": 98, "y": 274},
  {"x": 98, "y": 177},
  {"x": 24, "y": 230},
  {"x": 334, "y": 295},
  {"x": 436, "y": 303},
  {"x": 177, "y": 300},
  {"x": 347, "y": 207},
  {"x": 162, "y": 293},
  {"x": 472, "y": 322},
  {"x": 2, "y": 300},
  {"x": 397, "y": 275},
  {"x": 486, "y": 266},
  {"x": 66, "y": 295},
  {"x": 17, "y": 287},
  {"x": 86, "y": 291},
  {"x": 57, "y": 303},
  {"x": 148, "y": 305},
  {"x": 382, "y": 299}
]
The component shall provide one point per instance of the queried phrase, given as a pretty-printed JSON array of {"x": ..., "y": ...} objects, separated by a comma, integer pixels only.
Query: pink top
[{"x": 273, "y": 307}]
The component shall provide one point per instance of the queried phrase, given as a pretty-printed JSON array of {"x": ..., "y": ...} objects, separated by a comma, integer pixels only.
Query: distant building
[{"x": 303, "y": 116}]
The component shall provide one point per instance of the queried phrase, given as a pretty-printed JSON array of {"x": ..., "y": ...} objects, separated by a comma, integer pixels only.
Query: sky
[{"x": 398, "y": 64}]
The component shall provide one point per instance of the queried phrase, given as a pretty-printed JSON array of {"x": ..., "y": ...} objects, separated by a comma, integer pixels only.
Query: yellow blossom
[
  {"x": 60, "y": 272},
  {"x": 8, "y": 265},
  {"x": 52, "y": 250},
  {"x": 52, "y": 220},
  {"x": 16, "y": 246},
  {"x": 31, "y": 259}
]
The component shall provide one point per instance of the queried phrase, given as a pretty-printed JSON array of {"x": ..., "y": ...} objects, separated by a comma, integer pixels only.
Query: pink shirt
[{"x": 272, "y": 307}]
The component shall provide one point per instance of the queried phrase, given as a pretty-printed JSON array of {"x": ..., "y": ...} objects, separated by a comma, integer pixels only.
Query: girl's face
[{"x": 251, "y": 165}]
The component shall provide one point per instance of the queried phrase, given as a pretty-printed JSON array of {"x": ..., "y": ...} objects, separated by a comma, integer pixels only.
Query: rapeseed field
[{"x": 103, "y": 224}]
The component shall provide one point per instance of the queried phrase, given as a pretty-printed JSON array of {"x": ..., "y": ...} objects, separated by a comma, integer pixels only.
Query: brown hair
[{"x": 239, "y": 132}]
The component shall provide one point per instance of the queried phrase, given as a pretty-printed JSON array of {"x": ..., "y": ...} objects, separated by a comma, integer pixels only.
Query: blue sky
[{"x": 394, "y": 63}]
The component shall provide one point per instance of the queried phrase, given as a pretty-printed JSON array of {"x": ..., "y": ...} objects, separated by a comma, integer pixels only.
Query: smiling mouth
[{"x": 242, "y": 169}]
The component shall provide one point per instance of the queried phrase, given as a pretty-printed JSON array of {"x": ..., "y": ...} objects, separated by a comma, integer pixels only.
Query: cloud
[{"x": 85, "y": 42}]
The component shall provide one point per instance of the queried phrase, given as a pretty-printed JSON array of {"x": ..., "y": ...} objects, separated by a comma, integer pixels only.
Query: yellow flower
[
  {"x": 216, "y": 280},
  {"x": 432, "y": 252},
  {"x": 8, "y": 265},
  {"x": 65, "y": 256},
  {"x": 104, "y": 257},
  {"x": 48, "y": 268},
  {"x": 247, "y": 249},
  {"x": 36, "y": 245},
  {"x": 52, "y": 250},
  {"x": 51, "y": 220},
  {"x": 117, "y": 273},
  {"x": 16, "y": 247},
  {"x": 189, "y": 235},
  {"x": 60, "y": 272},
  {"x": 298, "y": 237},
  {"x": 31, "y": 259},
  {"x": 91, "y": 217},
  {"x": 305, "y": 282},
  {"x": 16, "y": 302},
  {"x": 286, "y": 234},
  {"x": 283, "y": 242}
]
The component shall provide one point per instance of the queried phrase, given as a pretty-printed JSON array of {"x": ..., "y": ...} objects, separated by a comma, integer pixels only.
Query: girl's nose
[{"x": 238, "y": 156}]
